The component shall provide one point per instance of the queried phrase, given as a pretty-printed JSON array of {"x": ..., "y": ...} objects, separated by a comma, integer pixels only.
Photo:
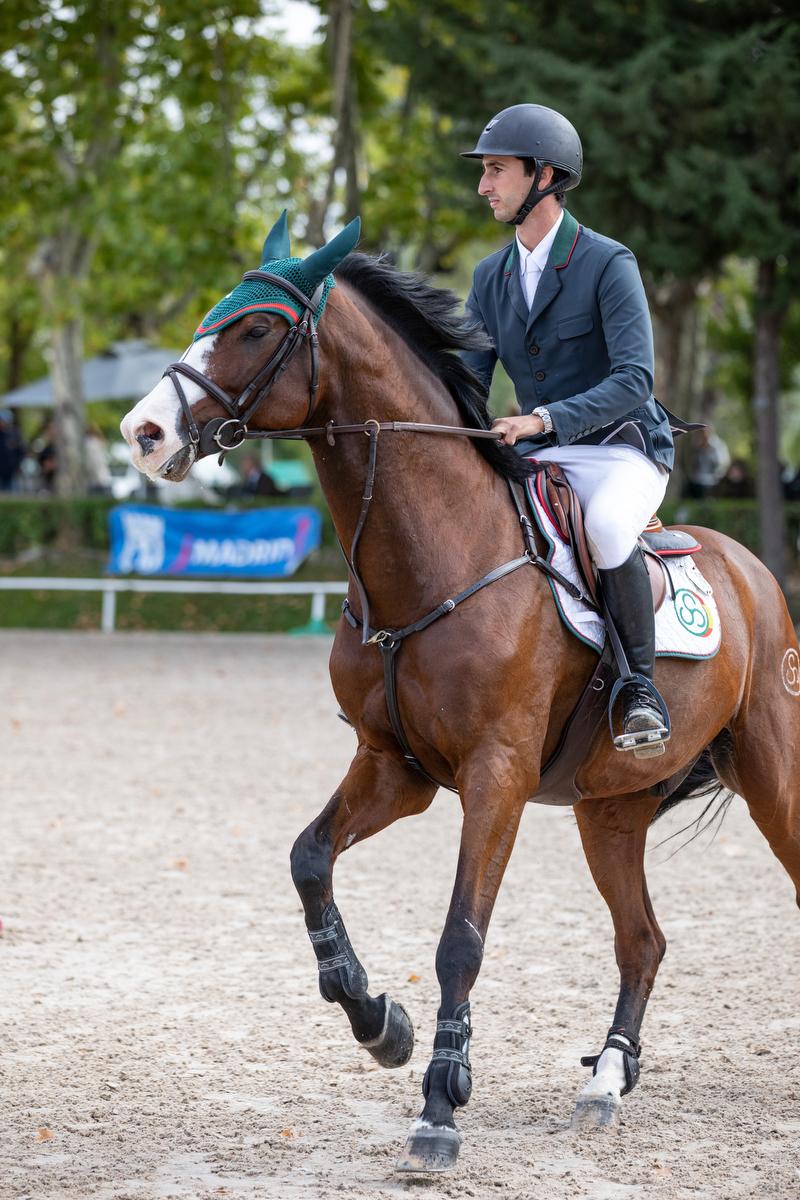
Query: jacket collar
[
  {"x": 563, "y": 246},
  {"x": 550, "y": 283},
  {"x": 561, "y": 250}
]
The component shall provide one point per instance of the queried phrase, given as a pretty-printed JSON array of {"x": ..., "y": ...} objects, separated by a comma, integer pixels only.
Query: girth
[{"x": 389, "y": 641}]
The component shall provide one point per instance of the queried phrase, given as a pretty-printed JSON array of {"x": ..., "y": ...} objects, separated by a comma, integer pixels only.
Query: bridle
[
  {"x": 240, "y": 409},
  {"x": 222, "y": 434}
]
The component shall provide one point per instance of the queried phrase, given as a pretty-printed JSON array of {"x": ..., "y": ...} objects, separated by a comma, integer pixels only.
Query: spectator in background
[
  {"x": 12, "y": 450},
  {"x": 44, "y": 447},
  {"x": 738, "y": 483},
  {"x": 98, "y": 472},
  {"x": 708, "y": 461},
  {"x": 255, "y": 482}
]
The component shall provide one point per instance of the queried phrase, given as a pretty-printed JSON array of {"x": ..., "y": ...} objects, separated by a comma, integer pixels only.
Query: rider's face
[{"x": 504, "y": 184}]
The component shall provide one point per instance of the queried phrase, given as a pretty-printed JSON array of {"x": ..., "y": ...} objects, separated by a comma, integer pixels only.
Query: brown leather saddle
[{"x": 657, "y": 542}]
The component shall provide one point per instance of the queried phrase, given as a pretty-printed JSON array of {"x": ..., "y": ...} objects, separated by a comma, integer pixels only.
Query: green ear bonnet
[{"x": 257, "y": 295}]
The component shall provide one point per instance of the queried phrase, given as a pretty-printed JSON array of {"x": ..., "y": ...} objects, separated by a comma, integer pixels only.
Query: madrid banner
[{"x": 266, "y": 542}]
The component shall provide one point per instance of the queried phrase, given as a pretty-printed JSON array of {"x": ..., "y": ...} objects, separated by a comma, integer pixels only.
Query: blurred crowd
[
  {"x": 31, "y": 467},
  {"x": 712, "y": 473}
]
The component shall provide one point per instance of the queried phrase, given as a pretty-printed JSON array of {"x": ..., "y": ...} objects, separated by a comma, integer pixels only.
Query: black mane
[{"x": 427, "y": 319}]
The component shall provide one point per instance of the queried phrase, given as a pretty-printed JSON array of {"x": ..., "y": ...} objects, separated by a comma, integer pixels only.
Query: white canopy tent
[{"x": 126, "y": 371}]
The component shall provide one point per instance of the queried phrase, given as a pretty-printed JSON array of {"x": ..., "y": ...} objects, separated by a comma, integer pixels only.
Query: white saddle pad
[{"x": 687, "y": 624}]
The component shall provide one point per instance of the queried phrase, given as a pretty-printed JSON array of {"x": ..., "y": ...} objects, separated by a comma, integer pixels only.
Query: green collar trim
[
  {"x": 561, "y": 249},
  {"x": 566, "y": 240}
]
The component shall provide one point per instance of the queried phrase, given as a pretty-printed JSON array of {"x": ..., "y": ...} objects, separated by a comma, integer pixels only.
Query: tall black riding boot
[{"x": 627, "y": 594}]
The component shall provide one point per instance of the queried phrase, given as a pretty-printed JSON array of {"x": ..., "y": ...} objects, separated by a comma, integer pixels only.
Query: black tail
[{"x": 703, "y": 780}]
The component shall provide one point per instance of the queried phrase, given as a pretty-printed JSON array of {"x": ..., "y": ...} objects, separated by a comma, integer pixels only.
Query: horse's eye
[{"x": 257, "y": 331}]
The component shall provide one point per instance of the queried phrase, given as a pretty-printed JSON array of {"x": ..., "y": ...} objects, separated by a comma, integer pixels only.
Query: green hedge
[
  {"x": 736, "y": 518},
  {"x": 43, "y": 522}
]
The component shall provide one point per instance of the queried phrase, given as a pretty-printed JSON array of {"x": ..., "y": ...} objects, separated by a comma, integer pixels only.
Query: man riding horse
[{"x": 565, "y": 310}]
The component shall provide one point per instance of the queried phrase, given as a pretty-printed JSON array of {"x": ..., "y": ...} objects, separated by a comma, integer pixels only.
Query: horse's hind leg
[
  {"x": 374, "y": 793},
  {"x": 764, "y": 759},
  {"x": 614, "y": 835}
]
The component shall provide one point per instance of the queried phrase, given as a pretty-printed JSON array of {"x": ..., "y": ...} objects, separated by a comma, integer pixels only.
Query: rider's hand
[{"x": 514, "y": 428}]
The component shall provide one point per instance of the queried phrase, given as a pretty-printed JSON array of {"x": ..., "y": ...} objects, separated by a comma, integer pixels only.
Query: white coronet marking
[
  {"x": 610, "y": 1077},
  {"x": 161, "y": 407}
]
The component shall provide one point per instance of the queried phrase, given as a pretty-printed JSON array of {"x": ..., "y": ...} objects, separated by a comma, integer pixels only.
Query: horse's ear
[
  {"x": 323, "y": 261},
  {"x": 277, "y": 244}
]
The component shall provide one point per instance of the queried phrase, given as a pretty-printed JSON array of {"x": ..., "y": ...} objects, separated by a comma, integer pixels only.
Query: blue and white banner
[{"x": 266, "y": 542}]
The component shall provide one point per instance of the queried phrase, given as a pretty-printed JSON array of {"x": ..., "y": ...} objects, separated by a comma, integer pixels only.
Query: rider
[{"x": 567, "y": 316}]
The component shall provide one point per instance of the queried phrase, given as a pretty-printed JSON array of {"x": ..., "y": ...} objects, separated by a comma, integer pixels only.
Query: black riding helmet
[{"x": 533, "y": 131}]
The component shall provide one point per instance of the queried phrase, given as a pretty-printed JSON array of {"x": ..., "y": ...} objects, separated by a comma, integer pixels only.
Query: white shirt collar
[{"x": 536, "y": 259}]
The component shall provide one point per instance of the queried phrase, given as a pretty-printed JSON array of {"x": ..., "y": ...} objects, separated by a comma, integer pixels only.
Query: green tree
[{"x": 141, "y": 136}]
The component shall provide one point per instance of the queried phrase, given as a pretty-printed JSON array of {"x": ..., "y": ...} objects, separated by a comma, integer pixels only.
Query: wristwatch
[{"x": 547, "y": 420}]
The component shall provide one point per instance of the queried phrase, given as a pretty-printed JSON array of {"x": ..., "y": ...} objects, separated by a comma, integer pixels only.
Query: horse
[{"x": 488, "y": 676}]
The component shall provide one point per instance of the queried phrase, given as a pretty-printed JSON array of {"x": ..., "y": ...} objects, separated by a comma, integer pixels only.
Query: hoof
[
  {"x": 430, "y": 1148},
  {"x": 596, "y": 1112},
  {"x": 395, "y": 1043}
]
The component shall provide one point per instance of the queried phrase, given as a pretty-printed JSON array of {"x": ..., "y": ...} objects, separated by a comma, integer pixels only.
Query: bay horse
[{"x": 483, "y": 689}]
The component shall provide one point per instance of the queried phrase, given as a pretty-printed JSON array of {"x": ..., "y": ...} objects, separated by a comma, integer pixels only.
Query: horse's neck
[{"x": 439, "y": 516}]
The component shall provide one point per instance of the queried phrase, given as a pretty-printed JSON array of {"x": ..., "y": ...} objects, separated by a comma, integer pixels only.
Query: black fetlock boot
[{"x": 628, "y": 597}]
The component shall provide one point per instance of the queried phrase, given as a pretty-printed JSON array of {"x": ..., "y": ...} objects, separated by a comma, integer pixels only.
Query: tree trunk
[
  {"x": 345, "y": 114},
  {"x": 61, "y": 269},
  {"x": 20, "y": 336},
  {"x": 66, "y": 347},
  {"x": 769, "y": 316},
  {"x": 673, "y": 310}
]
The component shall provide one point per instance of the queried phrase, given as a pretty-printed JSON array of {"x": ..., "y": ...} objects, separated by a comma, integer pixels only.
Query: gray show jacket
[{"x": 585, "y": 348}]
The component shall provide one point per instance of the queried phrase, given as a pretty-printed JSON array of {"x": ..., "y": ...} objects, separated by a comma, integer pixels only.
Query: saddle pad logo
[
  {"x": 693, "y": 613},
  {"x": 790, "y": 670}
]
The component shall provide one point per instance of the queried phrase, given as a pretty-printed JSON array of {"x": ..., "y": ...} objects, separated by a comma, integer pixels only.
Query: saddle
[{"x": 657, "y": 542}]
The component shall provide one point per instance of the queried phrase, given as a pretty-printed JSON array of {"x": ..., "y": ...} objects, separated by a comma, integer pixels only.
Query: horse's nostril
[{"x": 148, "y": 436}]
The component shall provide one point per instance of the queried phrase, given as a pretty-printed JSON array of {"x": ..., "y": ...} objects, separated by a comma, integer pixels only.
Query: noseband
[{"x": 226, "y": 433}]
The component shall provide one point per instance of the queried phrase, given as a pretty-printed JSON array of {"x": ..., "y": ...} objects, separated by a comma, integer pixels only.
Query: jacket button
[
  {"x": 540, "y": 376},
  {"x": 534, "y": 349}
]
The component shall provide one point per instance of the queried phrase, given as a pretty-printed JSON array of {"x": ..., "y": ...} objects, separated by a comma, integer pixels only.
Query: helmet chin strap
[{"x": 534, "y": 195}]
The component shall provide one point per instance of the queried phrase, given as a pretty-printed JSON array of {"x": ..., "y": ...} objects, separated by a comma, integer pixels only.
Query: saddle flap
[{"x": 564, "y": 508}]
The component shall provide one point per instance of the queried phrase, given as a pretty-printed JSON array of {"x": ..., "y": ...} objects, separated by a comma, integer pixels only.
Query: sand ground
[{"x": 162, "y": 1034}]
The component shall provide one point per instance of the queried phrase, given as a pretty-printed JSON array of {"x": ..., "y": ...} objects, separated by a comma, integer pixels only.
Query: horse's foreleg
[
  {"x": 374, "y": 793},
  {"x": 487, "y": 838},
  {"x": 614, "y": 835}
]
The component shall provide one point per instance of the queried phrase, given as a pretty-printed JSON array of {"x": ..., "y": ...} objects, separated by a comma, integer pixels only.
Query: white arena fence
[{"x": 110, "y": 588}]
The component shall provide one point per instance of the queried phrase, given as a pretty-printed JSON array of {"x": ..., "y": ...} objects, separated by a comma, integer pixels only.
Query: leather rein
[{"x": 241, "y": 409}]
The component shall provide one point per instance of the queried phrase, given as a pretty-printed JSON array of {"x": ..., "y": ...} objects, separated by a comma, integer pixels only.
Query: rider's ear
[
  {"x": 323, "y": 261},
  {"x": 277, "y": 244}
]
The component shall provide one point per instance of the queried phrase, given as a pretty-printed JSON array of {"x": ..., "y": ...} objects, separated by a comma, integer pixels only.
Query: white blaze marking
[{"x": 162, "y": 407}]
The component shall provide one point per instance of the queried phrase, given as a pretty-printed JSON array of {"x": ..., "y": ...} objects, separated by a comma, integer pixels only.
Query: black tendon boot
[{"x": 627, "y": 594}]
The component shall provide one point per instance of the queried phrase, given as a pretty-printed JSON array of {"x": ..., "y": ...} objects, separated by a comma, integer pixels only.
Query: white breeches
[{"x": 619, "y": 489}]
